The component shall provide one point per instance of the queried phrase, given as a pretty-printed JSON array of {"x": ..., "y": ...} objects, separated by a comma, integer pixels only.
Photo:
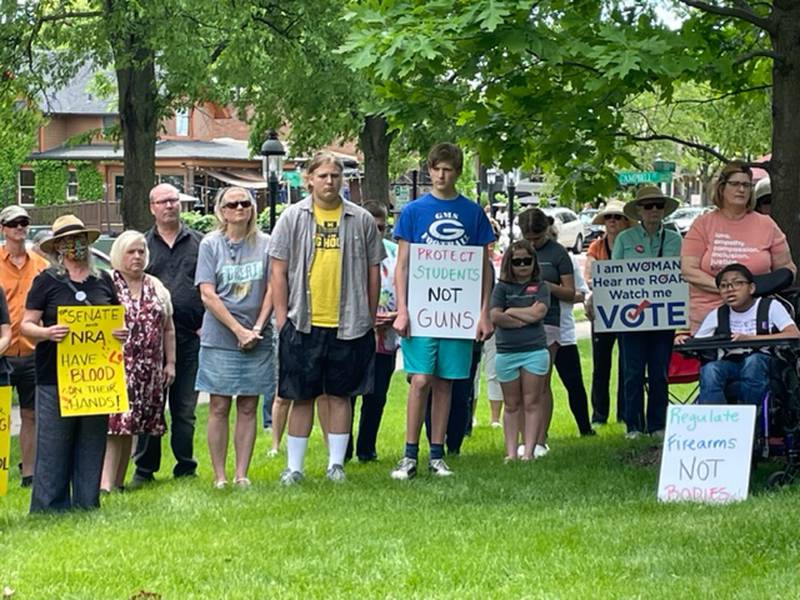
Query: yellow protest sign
[
  {"x": 91, "y": 369},
  {"x": 5, "y": 437}
]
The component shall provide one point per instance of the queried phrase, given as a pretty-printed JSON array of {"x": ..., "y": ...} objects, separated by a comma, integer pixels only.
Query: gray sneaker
[
  {"x": 438, "y": 467},
  {"x": 291, "y": 477},
  {"x": 336, "y": 474},
  {"x": 405, "y": 469}
]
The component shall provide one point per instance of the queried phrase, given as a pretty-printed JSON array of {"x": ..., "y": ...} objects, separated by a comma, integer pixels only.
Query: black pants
[
  {"x": 459, "y": 423},
  {"x": 182, "y": 399},
  {"x": 602, "y": 353},
  {"x": 568, "y": 366},
  {"x": 371, "y": 410}
]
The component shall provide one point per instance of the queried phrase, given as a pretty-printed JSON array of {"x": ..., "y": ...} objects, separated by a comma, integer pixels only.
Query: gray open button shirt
[{"x": 361, "y": 247}]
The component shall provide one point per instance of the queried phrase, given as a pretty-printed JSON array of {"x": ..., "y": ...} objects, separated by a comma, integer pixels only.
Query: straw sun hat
[
  {"x": 613, "y": 207},
  {"x": 645, "y": 193},
  {"x": 65, "y": 226}
]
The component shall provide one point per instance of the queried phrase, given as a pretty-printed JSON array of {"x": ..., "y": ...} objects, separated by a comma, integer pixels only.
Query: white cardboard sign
[
  {"x": 639, "y": 294},
  {"x": 707, "y": 453},
  {"x": 444, "y": 290}
]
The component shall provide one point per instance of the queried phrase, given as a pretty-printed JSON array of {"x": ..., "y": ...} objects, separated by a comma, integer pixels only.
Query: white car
[{"x": 570, "y": 228}]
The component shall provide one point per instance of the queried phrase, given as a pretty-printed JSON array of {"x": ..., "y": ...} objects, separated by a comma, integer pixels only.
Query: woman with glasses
[
  {"x": 236, "y": 353},
  {"x": 520, "y": 301},
  {"x": 734, "y": 233},
  {"x": 646, "y": 353},
  {"x": 614, "y": 219}
]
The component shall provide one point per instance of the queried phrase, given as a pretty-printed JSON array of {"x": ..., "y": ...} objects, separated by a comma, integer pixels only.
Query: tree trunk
[
  {"x": 375, "y": 141},
  {"x": 136, "y": 80},
  {"x": 784, "y": 174}
]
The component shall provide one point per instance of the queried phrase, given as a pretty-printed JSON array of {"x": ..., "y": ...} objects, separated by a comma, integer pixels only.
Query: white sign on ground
[
  {"x": 444, "y": 290},
  {"x": 639, "y": 294},
  {"x": 707, "y": 453}
]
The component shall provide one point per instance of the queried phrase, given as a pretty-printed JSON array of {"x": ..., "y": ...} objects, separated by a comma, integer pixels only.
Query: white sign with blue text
[
  {"x": 639, "y": 294},
  {"x": 444, "y": 290},
  {"x": 707, "y": 453}
]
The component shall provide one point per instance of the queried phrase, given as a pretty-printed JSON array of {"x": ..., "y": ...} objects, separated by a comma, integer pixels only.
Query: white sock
[
  {"x": 296, "y": 452},
  {"x": 337, "y": 448}
]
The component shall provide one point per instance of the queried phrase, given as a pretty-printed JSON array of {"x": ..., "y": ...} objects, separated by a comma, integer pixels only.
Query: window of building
[
  {"x": 109, "y": 121},
  {"x": 27, "y": 186},
  {"x": 72, "y": 185},
  {"x": 119, "y": 183},
  {"x": 182, "y": 122}
]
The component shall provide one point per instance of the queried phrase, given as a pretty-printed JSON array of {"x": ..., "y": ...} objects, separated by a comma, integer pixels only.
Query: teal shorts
[
  {"x": 508, "y": 364},
  {"x": 444, "y": 358}
]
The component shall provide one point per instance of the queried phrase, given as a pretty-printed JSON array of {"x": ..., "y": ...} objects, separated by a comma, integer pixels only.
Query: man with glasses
[
  {"x": 173, "y": 259},
  {"x": 743, "y": 317},
  {"x": 647, "y": 351},
  {"x": 18, "y": 268}
]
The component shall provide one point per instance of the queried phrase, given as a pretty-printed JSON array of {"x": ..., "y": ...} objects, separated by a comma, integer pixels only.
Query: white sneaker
[
  {"x": 658, "y": 434},
  {"x": 272, "y": 453},
  {"x": 474, "y": 422},
  {"x": 405, "y": 469},
  {"x": 496, "y": 424},
  {"x": 520, "y": 450},
  {"x": 336, "y": 474},
  {"x": 438, "y": 467},
  {"x": 633, "y": 435},
  {"x": 289, "y": 477},
  {"x": 540, "y": 450}
]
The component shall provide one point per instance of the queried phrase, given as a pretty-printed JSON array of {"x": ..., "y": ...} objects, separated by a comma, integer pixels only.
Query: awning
[{"x": 238, "y": 180}]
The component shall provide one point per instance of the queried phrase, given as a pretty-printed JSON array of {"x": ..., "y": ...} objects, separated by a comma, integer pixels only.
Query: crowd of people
[{"x": 312, "y": 315}]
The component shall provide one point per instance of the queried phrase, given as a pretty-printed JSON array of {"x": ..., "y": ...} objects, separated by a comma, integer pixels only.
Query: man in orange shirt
[{"x": 18, "y": 267}]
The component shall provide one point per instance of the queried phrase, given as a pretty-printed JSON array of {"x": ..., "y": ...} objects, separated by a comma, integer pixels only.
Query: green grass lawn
[{"x": 581, "y": 523}]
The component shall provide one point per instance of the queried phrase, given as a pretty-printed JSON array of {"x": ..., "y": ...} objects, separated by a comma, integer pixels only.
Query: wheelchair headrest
[{"x": 772, "y": 283}]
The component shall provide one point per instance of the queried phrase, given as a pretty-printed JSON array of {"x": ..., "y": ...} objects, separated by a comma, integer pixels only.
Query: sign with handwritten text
[
  {"x": 639, "y": 294},
  {"x": 5, "y": 437},
  {"x": 706, "y": 454},
  {"x": 444, "y": 290},
  {"x": 91, "y": 369}
]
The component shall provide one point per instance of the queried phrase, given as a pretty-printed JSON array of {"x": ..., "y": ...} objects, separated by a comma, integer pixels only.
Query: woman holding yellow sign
[{"x": 69, "y": 450}]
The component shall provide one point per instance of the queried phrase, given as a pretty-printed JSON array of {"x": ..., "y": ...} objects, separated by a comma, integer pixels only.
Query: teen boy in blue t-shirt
[{"x": 442, "y": 217}]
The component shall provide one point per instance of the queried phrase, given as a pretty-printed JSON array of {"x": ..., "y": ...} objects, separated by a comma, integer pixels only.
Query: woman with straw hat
[
  {"x": 614, "y": 219},
  {"x": 69, "y": 450},
  {"x": 647, "y": 352}
]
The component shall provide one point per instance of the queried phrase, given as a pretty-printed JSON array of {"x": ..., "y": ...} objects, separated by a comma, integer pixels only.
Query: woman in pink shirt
[{"x": 734, "y": 233}]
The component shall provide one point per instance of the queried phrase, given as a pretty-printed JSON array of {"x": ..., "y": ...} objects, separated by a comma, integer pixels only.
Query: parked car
[
  {"x": 593, "y": 231},
  {"x": 571, "y": 231},
  {"x": 683, "y": 217}
]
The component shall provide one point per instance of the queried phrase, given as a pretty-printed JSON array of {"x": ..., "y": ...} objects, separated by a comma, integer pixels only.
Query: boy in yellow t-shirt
[{"x": 325, "y": 279}]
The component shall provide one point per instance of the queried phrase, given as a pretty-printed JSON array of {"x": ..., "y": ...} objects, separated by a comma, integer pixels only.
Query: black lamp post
[
  {"x": 511, "y": 188},
  {"x": 273, "y": 152}
]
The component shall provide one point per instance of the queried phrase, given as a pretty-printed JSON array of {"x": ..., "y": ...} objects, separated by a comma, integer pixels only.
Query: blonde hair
[
  {"x": 122, "y": 244},
  {"x": 252, "y": 223},
  {"x": 733, "y": 167},
  {"x": 323, "y": 157}
]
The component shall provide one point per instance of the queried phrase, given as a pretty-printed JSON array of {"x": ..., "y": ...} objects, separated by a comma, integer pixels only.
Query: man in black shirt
[{"x": 173, "y": 259}]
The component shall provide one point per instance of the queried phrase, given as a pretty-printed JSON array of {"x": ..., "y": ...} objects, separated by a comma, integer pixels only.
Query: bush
[
  {"x": 51, "y": 182},
  {"x": 201, "y": 223},
  {"x": 90, "y": 182}
]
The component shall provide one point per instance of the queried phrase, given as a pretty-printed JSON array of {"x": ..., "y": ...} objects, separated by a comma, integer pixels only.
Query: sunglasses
[
  {"x": 652, "y": 205},
  {"x": 613, "y": 217},
  {"x": 238, "y": 204},
  {"x": 17, "y": 223},
  {"x": 522, "y": 262}
]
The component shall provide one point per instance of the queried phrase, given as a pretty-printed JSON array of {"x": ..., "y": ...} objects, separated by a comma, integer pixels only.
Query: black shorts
[
  {"x": 316, "y": 363},
  {"x": 23, "y": 377}
]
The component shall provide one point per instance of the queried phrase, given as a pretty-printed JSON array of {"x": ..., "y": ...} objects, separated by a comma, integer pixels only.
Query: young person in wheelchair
[{"x": 743, "y": 318}]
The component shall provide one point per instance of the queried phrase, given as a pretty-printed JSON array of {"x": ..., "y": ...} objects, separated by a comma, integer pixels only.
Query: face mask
[{"x": 74, "y": 249}]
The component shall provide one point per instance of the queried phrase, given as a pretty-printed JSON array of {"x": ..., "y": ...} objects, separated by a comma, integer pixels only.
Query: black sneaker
[
  {"x": 438, "y": 467},
  {"x": 27, "y": 481},
  {"x": 405, "y": 469}
]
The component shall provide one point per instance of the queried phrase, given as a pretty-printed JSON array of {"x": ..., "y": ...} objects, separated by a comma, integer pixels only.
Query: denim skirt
[{"x": 226, "y": 372}]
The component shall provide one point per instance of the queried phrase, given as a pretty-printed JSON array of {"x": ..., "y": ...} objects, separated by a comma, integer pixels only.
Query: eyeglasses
[
  {"x": 742, "y": 185},
  {"x": 522, "y": 262},
  {"x": 652, "y": 205},
  {"x": 613, "y": 217},
  {"x": 166, "y": 201},
  {"x": 238, "y": 204},
  {"x": 17, "y": 223},
  {"x": 733, "y": 285}
]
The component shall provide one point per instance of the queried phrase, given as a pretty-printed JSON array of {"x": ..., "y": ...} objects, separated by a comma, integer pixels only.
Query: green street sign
[{"x": 636, "y": 177}]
